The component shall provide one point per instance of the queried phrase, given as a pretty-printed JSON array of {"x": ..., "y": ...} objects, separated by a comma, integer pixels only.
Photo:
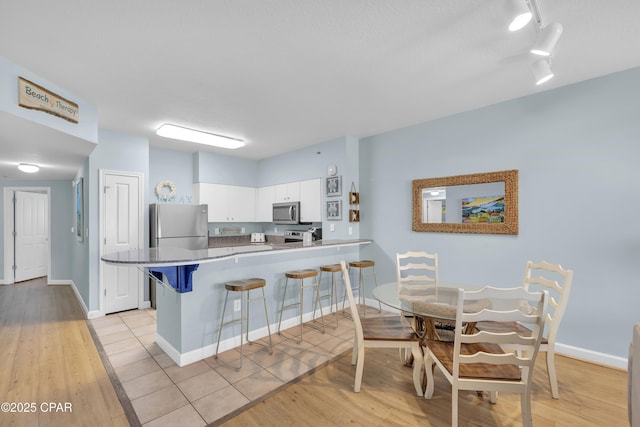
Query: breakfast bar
[{"x": 188, "y": 314}]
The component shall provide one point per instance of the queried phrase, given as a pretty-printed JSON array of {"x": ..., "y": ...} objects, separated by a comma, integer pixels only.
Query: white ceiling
[{"x": 284, "y": 74}]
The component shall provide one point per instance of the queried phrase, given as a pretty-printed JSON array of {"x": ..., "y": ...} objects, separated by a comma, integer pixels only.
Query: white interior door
[
  {"x": 31, "y": 235},
  {"x": 122, "y": 221}
]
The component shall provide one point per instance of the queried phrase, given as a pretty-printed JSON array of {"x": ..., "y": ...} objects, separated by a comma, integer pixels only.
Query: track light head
[
  {"x": 541, "y": 71},
  {"x": 547, "y": 39},
  {"x": 520, "y": 14}
]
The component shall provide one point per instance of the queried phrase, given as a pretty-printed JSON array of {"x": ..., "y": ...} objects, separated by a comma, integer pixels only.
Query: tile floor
[{"x": 163, "y": 394}]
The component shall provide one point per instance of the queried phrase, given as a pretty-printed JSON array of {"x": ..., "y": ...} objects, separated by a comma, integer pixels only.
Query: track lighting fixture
[
  {"x": 547, "y": 40},
  {"x": 541, "y": 71},
  {"x": 519, "y": 13}
]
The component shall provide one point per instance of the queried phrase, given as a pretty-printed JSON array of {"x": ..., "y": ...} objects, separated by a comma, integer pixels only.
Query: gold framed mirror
[{"x": 481, "y": 203}]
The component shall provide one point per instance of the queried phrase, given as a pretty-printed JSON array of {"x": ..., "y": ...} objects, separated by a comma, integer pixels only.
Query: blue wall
[
  {"x": 174, "y": 166},
  {"x": 116, "y": 152},
  {"x": 577, "y": 151}
]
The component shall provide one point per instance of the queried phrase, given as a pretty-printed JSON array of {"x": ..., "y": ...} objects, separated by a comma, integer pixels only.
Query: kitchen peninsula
[{"x": 188, "y": 322}]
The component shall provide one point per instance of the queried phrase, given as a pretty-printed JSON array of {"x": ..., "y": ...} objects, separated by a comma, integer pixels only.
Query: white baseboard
[
  {"x": 79, "y": 298},
  {"x": 183, "y": 359},
  {"x": 60, "y": 282},
  {"x": 592, "y": 356}
]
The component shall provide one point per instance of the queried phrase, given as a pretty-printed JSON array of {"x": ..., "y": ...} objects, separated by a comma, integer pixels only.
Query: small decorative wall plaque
[
  {"x": 35, "y": 97},
  {"x": 354, "y": 215}
]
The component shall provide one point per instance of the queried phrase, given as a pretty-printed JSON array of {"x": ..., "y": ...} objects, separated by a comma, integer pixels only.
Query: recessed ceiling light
[
  {"x": 28, "y": 167},
  {"x": 199, "y": 137}
]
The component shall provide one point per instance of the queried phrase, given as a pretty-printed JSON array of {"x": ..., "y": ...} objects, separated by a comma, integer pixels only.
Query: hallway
[{"x": 50, "y": 371}]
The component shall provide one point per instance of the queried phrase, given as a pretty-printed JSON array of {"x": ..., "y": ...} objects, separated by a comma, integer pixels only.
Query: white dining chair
[
  {"x": 478, "y": 361},
  {"x": 380, "y": 332},
  {"x": 415, "y": 269},
  {"x": 557, "y": 281}
]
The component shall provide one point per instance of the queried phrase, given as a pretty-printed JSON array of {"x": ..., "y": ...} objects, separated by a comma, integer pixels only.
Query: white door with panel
[
  {"x": 123, "y": 222},
  {"x": 31, "y": 235}
]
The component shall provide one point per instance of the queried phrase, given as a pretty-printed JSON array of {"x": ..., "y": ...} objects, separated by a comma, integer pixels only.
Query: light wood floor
[
  {"x": 590, "y": 395},
  {"x": 48, "y": 355}
]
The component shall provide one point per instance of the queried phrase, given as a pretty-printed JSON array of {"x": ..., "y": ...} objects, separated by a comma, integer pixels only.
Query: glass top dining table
[
  {"x": 423, "y": 299},
  {"x": 427, "y": 301}
]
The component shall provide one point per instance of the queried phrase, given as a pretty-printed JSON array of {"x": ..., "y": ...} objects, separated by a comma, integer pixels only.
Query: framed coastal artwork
[
  {"x": 80, "y": 209},
  {"x": 333, "y": 211},
  {"x": 333, "y": 186}
]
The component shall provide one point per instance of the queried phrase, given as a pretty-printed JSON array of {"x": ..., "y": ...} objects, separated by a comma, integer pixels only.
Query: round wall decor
[{"x": 162, "y": 193}]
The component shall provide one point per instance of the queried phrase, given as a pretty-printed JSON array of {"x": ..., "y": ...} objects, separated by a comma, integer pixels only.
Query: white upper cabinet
[
  {"x": 311, "y": 200},
  {"x": 266, "y": 199},
  {"x": 242, "y": 203},
  {"x": 227, "y": 203},
  {"x": 232, "y": 203},
  {"x": 289, "y": 192}
]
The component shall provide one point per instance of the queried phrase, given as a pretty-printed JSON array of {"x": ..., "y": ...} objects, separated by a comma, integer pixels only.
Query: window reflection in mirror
[{"x": 485, "y": 203}]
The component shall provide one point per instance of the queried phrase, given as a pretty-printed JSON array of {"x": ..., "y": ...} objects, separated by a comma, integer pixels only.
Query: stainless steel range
[{"x": 298, "y": 235}]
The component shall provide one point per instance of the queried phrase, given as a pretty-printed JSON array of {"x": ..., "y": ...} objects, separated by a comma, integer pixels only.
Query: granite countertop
[{"x": 169, "y": 256}]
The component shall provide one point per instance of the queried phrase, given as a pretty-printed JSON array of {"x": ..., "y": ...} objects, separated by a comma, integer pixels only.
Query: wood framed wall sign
[
  {"x": 35, "y": 97},
  {"x": 354, "y": 199}
]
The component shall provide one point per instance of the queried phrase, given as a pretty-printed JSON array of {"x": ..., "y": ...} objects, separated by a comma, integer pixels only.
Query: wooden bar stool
[
  {"x": 301, "y": 275},
  {"x": 361, "y": 266},
  {"x": 244, "y": 287},
  {"x": 333, "y": 294}
]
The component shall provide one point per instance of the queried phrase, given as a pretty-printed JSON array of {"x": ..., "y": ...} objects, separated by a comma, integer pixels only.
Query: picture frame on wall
[
  {"x": 333, "y": 210},
  {"x": 333, "y": 186},
  {"x": 80, "y": 209}
]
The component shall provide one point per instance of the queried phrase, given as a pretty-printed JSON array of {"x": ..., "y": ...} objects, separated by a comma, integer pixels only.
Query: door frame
[
  {"x": 101, "y": 208},
  {"x": 9, "y": 240}
]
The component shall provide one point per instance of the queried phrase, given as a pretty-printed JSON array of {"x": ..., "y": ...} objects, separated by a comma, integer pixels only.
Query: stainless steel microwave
[{"x": 286, "y": 213}]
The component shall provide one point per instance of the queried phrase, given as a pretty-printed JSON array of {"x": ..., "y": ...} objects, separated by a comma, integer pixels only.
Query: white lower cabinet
[{"x": 227, "y": 203}]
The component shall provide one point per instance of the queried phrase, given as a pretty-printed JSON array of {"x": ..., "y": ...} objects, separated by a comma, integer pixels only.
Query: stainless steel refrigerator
[{"x": 182, "y": 226}]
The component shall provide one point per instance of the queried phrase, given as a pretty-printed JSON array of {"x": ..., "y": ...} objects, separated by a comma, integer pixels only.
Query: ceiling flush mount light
[
  {"x": 547, "y": 40},
  {"x": 520, "y": 14},
  {"x": 28, "y": 168},
  {"x": 199, "y": 137},
  {"x": 542, "y": 71}
]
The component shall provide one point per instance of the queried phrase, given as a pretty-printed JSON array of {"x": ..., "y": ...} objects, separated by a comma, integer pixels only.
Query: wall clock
[{"x": 332, "y": 170}]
